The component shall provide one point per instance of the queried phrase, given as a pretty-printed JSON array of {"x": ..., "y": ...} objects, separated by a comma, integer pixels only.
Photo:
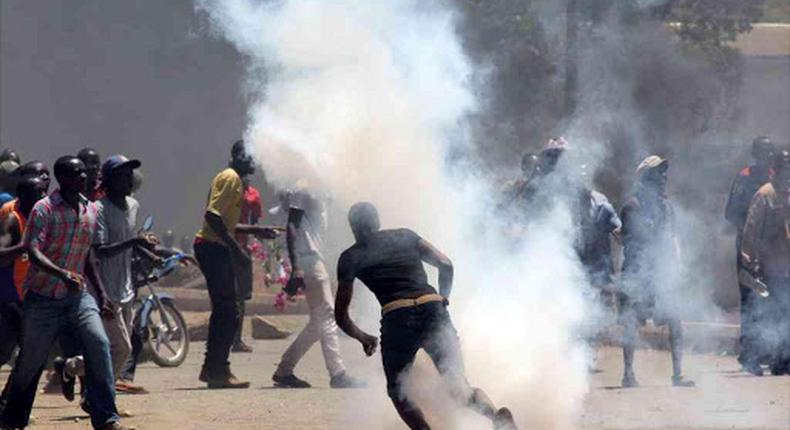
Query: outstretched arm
[
  {"x": 345, "y": 291},
  {"x": 437, "y": 259}
]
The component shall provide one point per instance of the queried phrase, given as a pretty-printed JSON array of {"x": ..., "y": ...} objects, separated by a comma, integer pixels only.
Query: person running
[
  {"x": 251, "y": 211},
  {"x": 58, "y": 238},
  {"x": 113, "y": 245},
  {"x": 390, "y": 264},
  {"x": 218, "y": 252},
  {"x": 306, "y": 223},
  {"x": 14, "y": 263},
  {"x": 766, "y": 254},
  {"x": 650, "y": 251},
  {"x": 743, "y": 189}
]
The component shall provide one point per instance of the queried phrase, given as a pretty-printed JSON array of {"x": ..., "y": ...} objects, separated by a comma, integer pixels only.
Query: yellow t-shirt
[{"x": 224, "y": 200}]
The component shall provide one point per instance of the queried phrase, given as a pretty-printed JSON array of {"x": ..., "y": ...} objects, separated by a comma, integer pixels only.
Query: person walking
[
  {"x": 59, "y": 234},
  {"x": 306, "y": 223},
  {"x": 113, "y": 244}
]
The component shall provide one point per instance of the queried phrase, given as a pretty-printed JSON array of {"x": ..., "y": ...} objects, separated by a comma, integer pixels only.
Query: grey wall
[{"x": 132, "y": 76}]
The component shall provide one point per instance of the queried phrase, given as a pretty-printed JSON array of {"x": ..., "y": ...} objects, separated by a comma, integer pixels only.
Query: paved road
[{"x": 725, "y": 398}]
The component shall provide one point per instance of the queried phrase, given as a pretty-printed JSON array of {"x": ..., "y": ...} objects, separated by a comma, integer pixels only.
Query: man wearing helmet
[{"x": 765, "y": 252}]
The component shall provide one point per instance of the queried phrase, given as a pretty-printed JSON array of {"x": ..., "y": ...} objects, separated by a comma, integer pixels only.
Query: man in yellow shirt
[{"x": 218, "y": 252}]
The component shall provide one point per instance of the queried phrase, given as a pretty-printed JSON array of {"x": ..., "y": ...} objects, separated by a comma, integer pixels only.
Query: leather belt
[{"x": 410, "y": 303}]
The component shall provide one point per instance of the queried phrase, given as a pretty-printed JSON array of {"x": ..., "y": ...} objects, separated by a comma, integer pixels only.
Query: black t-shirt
[{"x": 389, "y": 264}]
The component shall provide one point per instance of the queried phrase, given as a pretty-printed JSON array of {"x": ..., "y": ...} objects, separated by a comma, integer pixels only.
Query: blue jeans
[{"x": 43, "y": 320}]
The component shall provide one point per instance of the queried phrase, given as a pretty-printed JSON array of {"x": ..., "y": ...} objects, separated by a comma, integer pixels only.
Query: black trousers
[
  {"x": 217, "y": 267},
  {"x": 10, "y": 329},
  {"x": 752, "y": 346}
]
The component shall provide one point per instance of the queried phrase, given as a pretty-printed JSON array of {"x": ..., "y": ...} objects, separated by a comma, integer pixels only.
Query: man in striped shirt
[{"x": 58, "y": 238}]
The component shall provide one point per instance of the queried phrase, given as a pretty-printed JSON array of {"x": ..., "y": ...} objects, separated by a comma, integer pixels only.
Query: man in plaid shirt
[{"x": 59, "y": 236}]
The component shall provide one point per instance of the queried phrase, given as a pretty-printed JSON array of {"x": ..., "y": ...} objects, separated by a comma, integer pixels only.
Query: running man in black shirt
[{"x": 390, "y": 264}]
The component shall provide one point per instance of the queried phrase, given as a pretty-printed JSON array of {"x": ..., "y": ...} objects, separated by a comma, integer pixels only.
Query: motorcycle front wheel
[{"x": 168, "y": 345}]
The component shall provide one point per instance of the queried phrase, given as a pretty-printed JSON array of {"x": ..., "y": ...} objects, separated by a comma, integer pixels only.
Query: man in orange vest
[{"x": 14, "y": 262}]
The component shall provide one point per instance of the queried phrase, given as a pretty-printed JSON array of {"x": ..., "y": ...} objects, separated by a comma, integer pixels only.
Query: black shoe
[
  {"x": 66, "y": 383},
  {"x": 344, "y": 381},
  {"x": 504, "y": 420},
  {"x": 290, "y": 381},
  {"x": 203, "y": 377},
  {"x": 629, "y": 381},
  {"x": 753, "y": 368},
  {"x": 86, "y": 407},
  {"x": 679, "y": 381},
  {"x": 241, "y": 347}
]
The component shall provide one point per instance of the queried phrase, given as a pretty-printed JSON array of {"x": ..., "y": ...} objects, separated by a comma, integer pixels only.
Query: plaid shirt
[{"x": 64, "y": 236}]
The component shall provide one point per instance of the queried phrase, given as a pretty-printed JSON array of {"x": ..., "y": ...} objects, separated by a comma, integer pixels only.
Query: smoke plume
[{"x": 368, "y": 101}]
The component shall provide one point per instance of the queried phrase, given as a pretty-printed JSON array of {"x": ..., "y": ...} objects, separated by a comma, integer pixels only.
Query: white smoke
[{"x": 367, "y": 100}]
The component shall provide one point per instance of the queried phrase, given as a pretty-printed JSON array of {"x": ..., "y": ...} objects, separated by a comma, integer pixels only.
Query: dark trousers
[
  {"x": 405, "y": 331},
  {"x": 752, "y": 350},
  {"x": 775, "y": 326},
  {"x": 237, "y": 339},
  {"x": 10, "y": 329},
  {"x": 215, "y": 263}
]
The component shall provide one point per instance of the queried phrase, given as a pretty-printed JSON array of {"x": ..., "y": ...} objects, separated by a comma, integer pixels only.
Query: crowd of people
[
  {"x": 67, "y": 288},
  {"x": 650, "y": 275}
]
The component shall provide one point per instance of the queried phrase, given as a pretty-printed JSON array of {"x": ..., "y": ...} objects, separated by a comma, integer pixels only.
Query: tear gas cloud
[{"x": 366, "y": 101}]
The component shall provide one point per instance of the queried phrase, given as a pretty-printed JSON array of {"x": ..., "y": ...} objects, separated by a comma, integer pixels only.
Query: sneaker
[
  {"x": 503, "y": 420},
  {"x": 754, "y": 369},
  {"x": 290, "y": 381},
  {"x": 629, "y": 381},
  {"x": 342, "y": 380},
  {"x": 241, "y": 347},
  {"x": 66, "y": 382},
  {"x": 228, "y": 380},
  {"x": 127, "y": 387},
  {"x": 680, "y": 381}
]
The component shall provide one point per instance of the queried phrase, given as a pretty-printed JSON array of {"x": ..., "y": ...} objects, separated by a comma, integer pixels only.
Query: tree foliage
[{"x": 711, "y": 22}]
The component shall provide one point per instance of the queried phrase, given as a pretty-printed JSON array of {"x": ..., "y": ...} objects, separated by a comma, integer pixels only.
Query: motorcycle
[{"x": 157, "y": 320}]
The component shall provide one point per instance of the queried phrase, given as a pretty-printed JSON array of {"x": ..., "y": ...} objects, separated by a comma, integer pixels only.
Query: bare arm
[
  {"x": 261, "y": 231},
  {"x": 44, "y": 263},
  {"x": 11, "y": 244},
  {"x": 437, "y": 259},
  {"x": 106, "y": 307},
  {"x": 113, "y": 249},
  {"x": 345, "y": 291},
  {"x": 214, "y": 221}
]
